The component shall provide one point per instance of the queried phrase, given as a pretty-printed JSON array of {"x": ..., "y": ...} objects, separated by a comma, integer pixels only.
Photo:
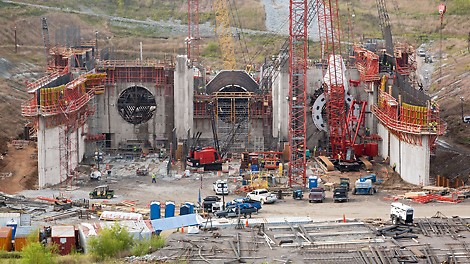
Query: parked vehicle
[
  {"x": 363, "y": 186},
  {"x": 421, "y": 53},
  {"x": 262, "y": 196},
  {"x": 344, "y": 183},
  {"x": 211, "y": 203},
  {"x": 101, "y": 192},
  {"x": 220, "y": 187},
  {"x": 297, "y": 194},
  {"x": 340, "y": 195},
  {"x": 317, "y": 194},
  {"x": 234, "y": 211},
  {"x": 466, "y": 119},
  {"x": 401, "y": 213},
  {"x": 142, "y": 172},
  {"x": 238, "y": 201},
  {"x": 95, "y": 175}
]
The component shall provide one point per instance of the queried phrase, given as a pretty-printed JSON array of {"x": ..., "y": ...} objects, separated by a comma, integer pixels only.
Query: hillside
[{"x": 160, "y": 26}]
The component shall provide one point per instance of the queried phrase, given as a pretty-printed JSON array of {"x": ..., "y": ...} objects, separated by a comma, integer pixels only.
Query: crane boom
[
  {"x": 193, "y": 30},
  {"x": 385, "y": 26},
  {"x": 298, "y": 40},
  {"x": 224, "y": 33}
]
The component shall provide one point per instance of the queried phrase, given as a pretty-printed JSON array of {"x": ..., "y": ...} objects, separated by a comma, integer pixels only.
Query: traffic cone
[
  {"x": 182, "y": 229},
  {"x": 246, "y": 223},
  {"x": 344, "y": 218}
]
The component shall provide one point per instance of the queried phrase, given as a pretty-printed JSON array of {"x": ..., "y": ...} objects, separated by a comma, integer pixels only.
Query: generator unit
[{"x": 401, "y": 213}]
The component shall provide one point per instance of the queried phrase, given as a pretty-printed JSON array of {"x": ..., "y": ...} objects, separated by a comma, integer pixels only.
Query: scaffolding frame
[
  {"x": 232, "y": 106},
  {"x": 367, "y": 64},
  {"x": 408, "y": 122}
]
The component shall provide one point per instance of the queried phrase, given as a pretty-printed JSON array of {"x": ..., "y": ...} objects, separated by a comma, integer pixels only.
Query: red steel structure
[
  {"x": 193, "y": 30},
  {"x": 297, "y": 93},
  {"x": 333, "y": 76},
  {"x": 367, "y": 64}
]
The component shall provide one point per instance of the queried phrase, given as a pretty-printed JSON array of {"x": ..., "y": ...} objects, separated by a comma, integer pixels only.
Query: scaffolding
[
  {"x": 367, "y": 64},
  {"x": 137, "y": 71},
  {"x": 237, "y": 115},
  {"x": 64, "y": 106},
  {"x": 409, "y": 122}
]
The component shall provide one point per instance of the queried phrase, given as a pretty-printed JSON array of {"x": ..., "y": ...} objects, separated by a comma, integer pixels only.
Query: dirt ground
[
  {"x": 128, "y": 186},
  {"x": 23, "y": 169}
]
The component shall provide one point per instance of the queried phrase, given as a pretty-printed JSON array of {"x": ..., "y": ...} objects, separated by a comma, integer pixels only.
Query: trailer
[{"x": 401, "y": 213}]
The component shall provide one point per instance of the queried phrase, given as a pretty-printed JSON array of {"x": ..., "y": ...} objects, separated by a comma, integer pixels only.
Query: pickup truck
[
  {"x": 340, "y": 195},
  {"x": 245, "y": 200},
  {"x": 262, "y": 196},
  {"x": 234, "y": 211},
  {"x": 211, "y": 203},
  {"x": 317, "y": 194}
]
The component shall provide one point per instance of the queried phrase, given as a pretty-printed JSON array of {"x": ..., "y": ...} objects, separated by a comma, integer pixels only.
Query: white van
[
  {"x": 466, "y": 119},
  {"x": 220, "y": 187}
]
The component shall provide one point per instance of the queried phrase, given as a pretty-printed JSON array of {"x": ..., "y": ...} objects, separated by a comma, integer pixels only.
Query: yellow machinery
[{"x": 224, "y": 33}]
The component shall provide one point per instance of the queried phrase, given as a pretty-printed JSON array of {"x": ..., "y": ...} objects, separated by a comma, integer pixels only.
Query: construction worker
[{"x": 154, "y": 177}]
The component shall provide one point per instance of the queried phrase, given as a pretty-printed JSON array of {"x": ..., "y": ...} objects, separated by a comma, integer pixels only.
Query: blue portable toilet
[
  {"x": 312, "y": 182},
  {"x": 13, "y": 224},
  {"x": 169, "y": 209},
  {"x": 184, "y": 209},
  {"x": 307, "y": 153},
  {"x": 191, "y": 207},
  {"x": 155, "y": 212}
]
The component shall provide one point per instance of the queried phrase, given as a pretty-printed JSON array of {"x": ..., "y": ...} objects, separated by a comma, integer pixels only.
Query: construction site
[{"x": 300, "y": 159}]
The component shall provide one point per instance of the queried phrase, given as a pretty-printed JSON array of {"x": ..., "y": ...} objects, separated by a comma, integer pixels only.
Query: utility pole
[
  {"x": 461, "y": 106},
  {"x": 16, "y": 42},
  {"x": 442, "y": 11}
]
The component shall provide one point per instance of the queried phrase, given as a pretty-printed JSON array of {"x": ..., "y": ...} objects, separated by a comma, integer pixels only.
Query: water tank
[
  {"x": 191, "y": 207},
  {"x": 372, "y": 149},
  {"x": 358, "y": 149},
  {"x": 155, "y": 210},
  {"x": 169, "y": 209},
  {"x": 184, "y": 209},
  {"x": 312, "y": 182}
]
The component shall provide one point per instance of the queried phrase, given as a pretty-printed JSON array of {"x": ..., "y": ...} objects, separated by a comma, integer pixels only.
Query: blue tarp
[{"x": 176, "y": 222}]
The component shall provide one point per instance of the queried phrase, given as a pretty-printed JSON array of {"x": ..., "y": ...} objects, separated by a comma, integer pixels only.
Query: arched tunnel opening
[{"x": 233, "y": 104}]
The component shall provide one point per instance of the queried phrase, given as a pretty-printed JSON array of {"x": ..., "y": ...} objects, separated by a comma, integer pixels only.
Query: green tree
[
  {"x": 35, "y": 253},
  {"x": 111, "y": 242}
]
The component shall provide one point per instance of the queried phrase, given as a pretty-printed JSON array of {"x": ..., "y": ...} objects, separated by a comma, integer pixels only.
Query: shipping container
[
  {"x": 22, "y": 234},
  {"x": 5, "y": 238},
  {"x": 64, "y": 237}
]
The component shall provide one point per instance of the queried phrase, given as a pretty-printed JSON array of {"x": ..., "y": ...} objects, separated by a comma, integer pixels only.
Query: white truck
[
  {"x": 262, "y": 196},
  {"x": 220, "y": 187},
  {"x": 401, "y": 213}
]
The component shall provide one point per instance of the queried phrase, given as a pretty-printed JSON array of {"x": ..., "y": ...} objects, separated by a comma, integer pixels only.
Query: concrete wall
[
  {"x": 108, "y": 120},
  {"x": 183, "y": 97},
  {"x": 383, "y": 144},
  {"x": 415, "y": 162},
  {"x": 56, "y": 152},
  {"x": 412, "y": 161},
  {"x": 48, "y": 154},
  {"x": 280, "y": 91}
]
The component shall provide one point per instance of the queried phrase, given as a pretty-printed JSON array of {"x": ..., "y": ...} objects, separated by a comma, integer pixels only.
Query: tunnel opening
[{"x": 136, "y": 105}]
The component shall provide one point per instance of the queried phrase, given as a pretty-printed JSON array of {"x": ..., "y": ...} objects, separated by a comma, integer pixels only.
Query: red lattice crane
[
  {"x": 333, "y": 75},
  {"x": 297, "y": 91},
  {"x": 343, "y": 125},
  {"x": 193, "y": 31}
]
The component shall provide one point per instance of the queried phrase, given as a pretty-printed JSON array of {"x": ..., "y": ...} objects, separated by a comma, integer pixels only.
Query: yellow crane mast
[{"x": 224, "y": 33}]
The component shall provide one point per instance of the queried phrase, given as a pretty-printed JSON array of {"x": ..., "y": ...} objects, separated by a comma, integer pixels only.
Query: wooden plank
[
  {"x": 366, "y": 162},
  {"x": 325, "y": 161}
]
